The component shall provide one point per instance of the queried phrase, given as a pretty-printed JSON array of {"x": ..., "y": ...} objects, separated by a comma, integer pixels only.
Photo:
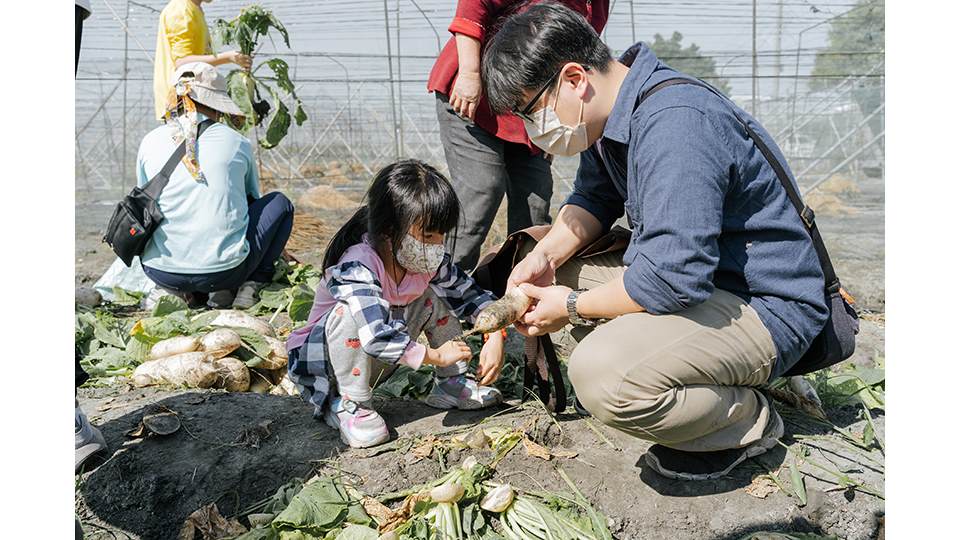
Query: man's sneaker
[
  {"x": 712, "y": 465},
  {"x": 222, "y": 299},
  {"x": 360, "y": 426},
  {"x": 87, "y": 439},
  {"x": 248, "y": 295},
  {"x": 150, "y": 300},
  {"x": 462, "y": 393}
]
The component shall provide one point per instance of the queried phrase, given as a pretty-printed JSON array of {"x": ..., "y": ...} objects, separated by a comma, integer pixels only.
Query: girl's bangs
[{"x": 440, "y": 208}]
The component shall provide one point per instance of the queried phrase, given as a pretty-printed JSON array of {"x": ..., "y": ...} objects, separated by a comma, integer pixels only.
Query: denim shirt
[{"x": 707, "y": 210}]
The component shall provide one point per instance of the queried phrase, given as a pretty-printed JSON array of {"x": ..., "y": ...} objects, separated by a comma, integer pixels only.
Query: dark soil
[{"x": 222, "y": 453}]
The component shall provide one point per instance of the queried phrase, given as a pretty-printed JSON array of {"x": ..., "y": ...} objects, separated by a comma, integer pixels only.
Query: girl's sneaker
[
  {"x": 360, "y": 427},
  {"x": 462, "y": 393}
]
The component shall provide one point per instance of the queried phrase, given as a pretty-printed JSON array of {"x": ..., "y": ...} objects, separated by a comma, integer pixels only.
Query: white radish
[
  {"x": 278, "y": 347},
  {"x": 174, "y": 345},
  {"x": 277, "y": 358},
  {"x": 232, "y": 317},
  {"x": 232, "y": 375},
  {"x": 501, "y": 313},
  {"x": 259, "y": 385},
  {"x": 446, "y": 493},
  {"x": 273, "y": 376},
  {"x": 191, "y": 369},
  {"x": 220, "y": 342},
  {"x": 497, "y": 499},
  {"x": 468, "y": 463},
  {"x": 285, "y": 388}
]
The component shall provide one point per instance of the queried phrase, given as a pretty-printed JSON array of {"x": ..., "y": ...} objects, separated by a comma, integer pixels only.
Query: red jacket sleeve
[{"x": 473, "y": 17}]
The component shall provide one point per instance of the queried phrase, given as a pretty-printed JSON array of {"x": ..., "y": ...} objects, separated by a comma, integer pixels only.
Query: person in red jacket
[{"x": 490, "y": 156}]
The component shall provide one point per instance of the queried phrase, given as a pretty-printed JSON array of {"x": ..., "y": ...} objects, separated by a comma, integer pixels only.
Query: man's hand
[
  {"x": 534, "y": 269},
  {"x": 549, "y": 313},
  {"x": 238, "y": 58},
  {"x": 448, "y": 354},
  {"x": 491, "y": 360},
  {"x": 466, "y": 94}
]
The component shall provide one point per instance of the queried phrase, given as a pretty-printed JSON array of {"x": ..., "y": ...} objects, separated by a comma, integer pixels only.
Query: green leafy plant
[
  {"x": 244, "y": 87},
  {"x": 852, "y": 385},
  {"x": 293, "y": 289}
]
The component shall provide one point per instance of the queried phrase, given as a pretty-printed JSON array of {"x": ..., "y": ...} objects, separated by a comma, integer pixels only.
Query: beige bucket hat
[{"x": 205, "y": 85}]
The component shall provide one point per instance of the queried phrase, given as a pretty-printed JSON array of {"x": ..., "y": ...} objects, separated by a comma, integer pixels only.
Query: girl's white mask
[
  {"x": 553, "y": 136},
  {"x": 419, "y": 257}
]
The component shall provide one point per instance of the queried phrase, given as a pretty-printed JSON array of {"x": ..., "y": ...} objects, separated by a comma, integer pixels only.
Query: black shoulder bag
[
  {"x": 138, "y": 215},
  {"x": 837, "y": 340}
]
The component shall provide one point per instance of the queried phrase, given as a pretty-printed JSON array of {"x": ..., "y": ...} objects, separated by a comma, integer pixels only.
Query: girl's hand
[
  {"x": 491, "y": 360},
  {"x": 466, "y": 94},
  {"x": 448, "y": 354}
]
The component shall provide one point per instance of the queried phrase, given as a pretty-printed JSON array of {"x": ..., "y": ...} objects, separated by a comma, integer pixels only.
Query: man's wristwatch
[{"x": 575, "y": 318}]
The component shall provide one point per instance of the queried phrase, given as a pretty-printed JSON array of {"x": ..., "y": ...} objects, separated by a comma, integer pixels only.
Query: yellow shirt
[{"x": 182, "y": 32}]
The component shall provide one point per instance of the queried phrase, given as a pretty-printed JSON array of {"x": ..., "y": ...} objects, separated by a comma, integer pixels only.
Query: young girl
[{"x": 387, "y": 278}]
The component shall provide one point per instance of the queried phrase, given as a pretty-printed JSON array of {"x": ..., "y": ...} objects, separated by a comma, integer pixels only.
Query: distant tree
[
  {"x": 688, "y": 60},
  {"x": 856, "y": 45}
]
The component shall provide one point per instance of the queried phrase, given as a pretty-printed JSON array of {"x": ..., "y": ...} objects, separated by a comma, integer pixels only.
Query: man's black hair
[{"x": 531, "y": 47}]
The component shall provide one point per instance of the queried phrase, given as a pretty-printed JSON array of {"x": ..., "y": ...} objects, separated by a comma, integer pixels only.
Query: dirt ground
[
  {"x": 145, "y": 488},
  {"x": 236, "y": 449}
]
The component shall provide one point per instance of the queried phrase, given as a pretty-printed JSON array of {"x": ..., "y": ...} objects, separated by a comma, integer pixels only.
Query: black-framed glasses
[{"x": 524, "y": 113}]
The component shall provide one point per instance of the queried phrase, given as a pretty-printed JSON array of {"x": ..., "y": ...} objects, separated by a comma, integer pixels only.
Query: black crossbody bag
[
  {"x": 138, "y": 215},
  {"x": 837, "y": 341}
]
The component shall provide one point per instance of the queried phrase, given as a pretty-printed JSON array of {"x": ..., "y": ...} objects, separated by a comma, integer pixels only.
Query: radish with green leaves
[{"x": 244, "y": 86}]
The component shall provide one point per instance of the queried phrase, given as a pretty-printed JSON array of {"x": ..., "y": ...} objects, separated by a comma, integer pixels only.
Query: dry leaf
[
  {"x": 210, "y": 524},
  {"x": 378, "y": 511},
  {"x": 762, "y": 486},
  {"x": 425, "y": 447},
  {"x": 536, "y": 450},
  {"x": 804, "y": 404},
  {"x": 138, "y": 432},
  {"x": 564, "y": 454},
  {"x": 403, "y": 513}
]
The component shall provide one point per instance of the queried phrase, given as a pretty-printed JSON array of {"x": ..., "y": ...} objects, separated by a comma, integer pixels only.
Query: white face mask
[
  {"x": 553, "y": 136},
  {"x": 419, "y": 257}
]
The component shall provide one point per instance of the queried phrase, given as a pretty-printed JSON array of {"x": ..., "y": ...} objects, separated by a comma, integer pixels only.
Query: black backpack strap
[
  {"x": 155, "y": 186},
  {"x": 805, "y": 212}
]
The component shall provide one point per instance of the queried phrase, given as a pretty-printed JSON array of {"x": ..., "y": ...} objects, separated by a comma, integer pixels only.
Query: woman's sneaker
[
  {"x": 682, "y": 465},
  {"x": 461, "y": 392},
  {"x": 221, "y": 299},
  {"x": 248, "y": 295},
  {"x": 359, "y": 426},
  {"x": 87, "y": 439}
]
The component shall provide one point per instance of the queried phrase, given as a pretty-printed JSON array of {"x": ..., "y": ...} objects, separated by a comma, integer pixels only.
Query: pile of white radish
[{"x": 204, "y": 361}]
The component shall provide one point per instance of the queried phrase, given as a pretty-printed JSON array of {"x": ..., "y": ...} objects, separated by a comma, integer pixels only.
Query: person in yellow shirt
[{"x": 182, "y": 38}]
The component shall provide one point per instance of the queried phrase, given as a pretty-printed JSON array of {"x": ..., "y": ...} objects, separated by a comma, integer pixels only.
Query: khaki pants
[{"x": 686, "y": 380}]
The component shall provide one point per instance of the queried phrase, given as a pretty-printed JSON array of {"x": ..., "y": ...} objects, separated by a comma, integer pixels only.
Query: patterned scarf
[{"x": 186, "y": 126}]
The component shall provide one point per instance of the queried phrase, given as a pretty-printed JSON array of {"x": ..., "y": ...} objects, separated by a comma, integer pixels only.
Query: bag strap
[
  {"x": 805, "y": 212},
  {"x": 155, "y": 186}
]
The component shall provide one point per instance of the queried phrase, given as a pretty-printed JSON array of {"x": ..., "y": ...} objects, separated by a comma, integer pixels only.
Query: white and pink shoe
[
  {"x": 461, "y": 392},
  {"x": 360, "y": 426}
]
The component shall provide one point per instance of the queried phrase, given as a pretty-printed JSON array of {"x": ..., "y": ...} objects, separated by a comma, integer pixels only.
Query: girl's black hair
[{"x": 402, "y": 194}]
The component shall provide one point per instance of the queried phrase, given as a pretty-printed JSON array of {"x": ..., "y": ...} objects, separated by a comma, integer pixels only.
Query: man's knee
[
  {"x": 598, "y": 375},
  {"x": 595, "y": 381}
]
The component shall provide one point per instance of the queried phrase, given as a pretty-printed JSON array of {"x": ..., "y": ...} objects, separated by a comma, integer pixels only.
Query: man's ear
[{"x": 577, "y": 76}]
